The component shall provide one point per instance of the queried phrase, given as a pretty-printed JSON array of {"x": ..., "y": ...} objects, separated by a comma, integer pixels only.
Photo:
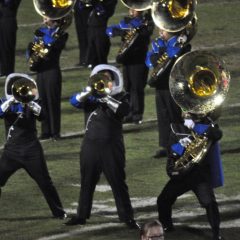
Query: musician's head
[
  {"x": 152, "y": 230},
  {"x": 134, "y": 13},
  {"x": 114, "y": 76},
  {"x": 50, "y": 22},
  {"x": 166, "y": 35}
]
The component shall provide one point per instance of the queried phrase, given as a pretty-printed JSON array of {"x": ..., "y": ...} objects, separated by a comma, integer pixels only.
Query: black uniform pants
[
  {"x": 81, "y": 19},
  {"x": 202, "y": 190},
  {"x": 98, "y": 46},
  {"x": 31, "y": 158},
  {"x": 8, "y": 30},
  {"x": 107, "y": 157},
  {"x": 135, "y": 79},
  {"x": 167, "y": 112},
  {"x": 49, "y": 84}
]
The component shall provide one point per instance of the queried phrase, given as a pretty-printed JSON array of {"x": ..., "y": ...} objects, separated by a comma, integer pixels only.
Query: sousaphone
[{"x": 54, "y": 9}]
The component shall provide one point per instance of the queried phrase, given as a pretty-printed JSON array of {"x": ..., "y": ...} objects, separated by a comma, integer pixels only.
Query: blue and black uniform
[
  {"x": 167, "y": 110},
  {"x": 135, "y": 72},
  {"x": 81, "y": 15},
  {"x": 49, "y": 79},
  {"x": 201, "y": 178},
  {"x": 8, "y": 34},
  {"x": 23, "y": 150},
  {"x": 103, "y": 150},
  {"x": 98, "y": 41}
]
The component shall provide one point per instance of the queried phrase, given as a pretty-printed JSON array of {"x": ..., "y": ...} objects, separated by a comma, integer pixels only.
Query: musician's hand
[
  {"x": 182, "y": 39},
  {"x": 84, "y": 94},
  {"x": 5, "y": 106},
  {"x": 185, "y": 141},
  {"x": 189, "y": 123},
  {"x": 35, "y": 108}
]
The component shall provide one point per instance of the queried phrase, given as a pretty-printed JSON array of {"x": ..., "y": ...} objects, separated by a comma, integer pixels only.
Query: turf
[{"x": 24, "y": 214}]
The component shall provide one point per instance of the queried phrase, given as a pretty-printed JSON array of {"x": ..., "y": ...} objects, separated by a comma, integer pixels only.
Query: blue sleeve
[
  {"x": 178, "y": 148},
  {"x": 200, "y": 128},
  {"x": 16, "y": 108},
  {"x": 74, "y": 102},
  {"x": 173, "y": 47},
  {"x": 124, "y": 26},
  {"x": 110, "y": 31},
  {"x": 148, "y": 60},
  {"x": 136, "y": 22}
]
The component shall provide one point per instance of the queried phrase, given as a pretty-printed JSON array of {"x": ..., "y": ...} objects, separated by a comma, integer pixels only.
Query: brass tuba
[
  {"x": 173, "y": 15},
  {"x": 163, "y": 61},
  {"x": 53, "y": 9},
  {"x": 199, "y": 82},
  {"x": 24, "y": 90}
]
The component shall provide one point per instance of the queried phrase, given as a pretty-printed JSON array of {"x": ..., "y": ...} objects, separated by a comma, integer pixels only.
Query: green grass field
[{"x": 24, "y": 214}]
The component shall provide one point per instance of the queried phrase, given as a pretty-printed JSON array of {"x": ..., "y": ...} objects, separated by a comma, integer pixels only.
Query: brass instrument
[
  {"x": 163, "y": 61},
  {"x": 169, "y": 15},
  {"x": 199, "y": 82},
  {"x": 99, "y": 84},
  {"x": 54, "y": 9},
  {"x": 128, "y": 39},
  {"x": 38, "y": 50},
  {"x": 173, "y": 15},
  {"x": 139, "y": 5},
  {"x": 24, "y": 90}
]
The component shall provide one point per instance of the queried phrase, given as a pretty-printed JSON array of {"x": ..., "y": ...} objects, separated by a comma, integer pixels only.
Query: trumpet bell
[
  {"x": 24, "y": 90},
  {"x": 53, "y": 9},
  {"x": 173, "y": 15},
  {"x": 100, "y": 83},
  {"x": 139, "y": 5},
  {"x": 199, "y": 82}
]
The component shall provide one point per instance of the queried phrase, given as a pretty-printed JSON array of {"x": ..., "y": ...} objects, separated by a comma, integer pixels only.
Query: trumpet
[
  {"x": 100, "y": 84},
  {"x": 24, "y": 90}
]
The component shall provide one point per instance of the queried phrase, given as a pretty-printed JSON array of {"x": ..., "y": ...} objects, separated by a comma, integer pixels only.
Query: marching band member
[
  {"x": 165, "y": 49},
  {"x": 22, "y": 148},
  {"x": 201, "y": 178},
  {"x": 98, "y": 41},
  {"x": 8, "y": 35},
  {"x": 82, "y": 10},
  {"x": 43, "y": 55},
  {"x": 102, "y": 149},
  {"x": 135, "y": 30}
]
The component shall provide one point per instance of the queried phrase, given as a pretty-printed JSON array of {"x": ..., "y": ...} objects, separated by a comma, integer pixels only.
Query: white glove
[
  {"x": 35, "y": 108},
  {"x": 83, "y": 95},
  {"x": 182, "y": 39},
  {"x": 189, "y": 123},
  {"x": 185, "y": 141},
  {"x": 7, "y": 104}
]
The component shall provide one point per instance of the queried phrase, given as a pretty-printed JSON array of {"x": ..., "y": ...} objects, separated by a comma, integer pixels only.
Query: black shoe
[
  {"x": 168, "y": 228},
  {"x": 44, "y": 137},
  {"x": 160, "y": 153},
  {"x": 131, "y": 223},
  {"x": 76, "y": 221},
  {"x": 218, "y": 237},
  {"x": 128, "y": 119},
  {"x": 137, "y": 119},
  {"x": 56, "y": 137},
  {"x": 62, "y": 216}
]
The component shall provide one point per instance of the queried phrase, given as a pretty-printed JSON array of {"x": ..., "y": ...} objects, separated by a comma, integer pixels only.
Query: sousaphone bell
[
  {"x": 199, "y": 82},
  {"x": 53, "y": 9}
]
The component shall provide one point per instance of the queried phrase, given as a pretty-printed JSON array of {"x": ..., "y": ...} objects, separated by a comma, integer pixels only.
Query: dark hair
[
  {"x": 108, "y": 71},
  {"x": 146, "y": 226}
]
